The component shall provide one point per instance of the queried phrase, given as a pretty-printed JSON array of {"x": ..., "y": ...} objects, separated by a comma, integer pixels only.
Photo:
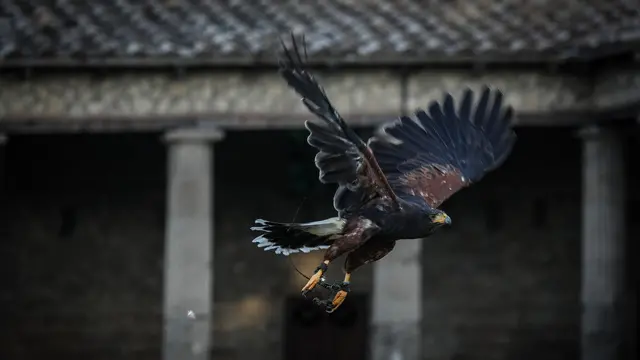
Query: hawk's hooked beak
[{"x": 442, "y": 218}]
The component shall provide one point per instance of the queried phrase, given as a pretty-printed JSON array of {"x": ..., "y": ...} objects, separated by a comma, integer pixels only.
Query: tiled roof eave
[
  {"x": 363, "y": 32},
  {"x": 269, "y": 61}
]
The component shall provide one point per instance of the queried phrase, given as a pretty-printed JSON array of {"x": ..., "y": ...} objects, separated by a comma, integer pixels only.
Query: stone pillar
[
  {"x": 188, "y": 276},
  {"x": 3, "y": 141},
  {"x": 603, "y": 239},
  {"x": 397, "y": 303}
]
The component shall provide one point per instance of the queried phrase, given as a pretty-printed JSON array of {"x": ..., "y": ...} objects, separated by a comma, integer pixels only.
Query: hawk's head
[{"x": 439, "y": 218}]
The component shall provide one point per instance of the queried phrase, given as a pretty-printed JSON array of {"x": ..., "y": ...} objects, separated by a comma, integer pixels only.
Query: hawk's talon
[
  {"x": 316, "y": 278},
  {"x": 339, "y": 297},
  {"x": 337, "y": 291}
]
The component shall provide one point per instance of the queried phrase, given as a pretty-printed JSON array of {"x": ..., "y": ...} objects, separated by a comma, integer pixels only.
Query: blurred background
[{"x": 140, "y": 139}]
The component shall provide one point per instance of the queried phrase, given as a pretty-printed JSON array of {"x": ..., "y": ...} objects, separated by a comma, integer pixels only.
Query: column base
[
  {"x": 187, "y": 338},
  {"x": 602, "y": 331},
  {"x": 396, "y": 341}
]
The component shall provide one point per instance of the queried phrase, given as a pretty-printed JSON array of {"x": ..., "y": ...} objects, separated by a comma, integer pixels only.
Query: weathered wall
[
  {"x": 82, "y": 241},
  {"x": 502, "y": 283},
  {"x": 82, "y": 231}
]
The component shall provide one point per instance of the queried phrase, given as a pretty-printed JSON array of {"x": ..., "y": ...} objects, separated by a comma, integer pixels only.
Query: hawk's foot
[
  {"x": 315, "y": 279},
  {"x": 340, "y": 296}
]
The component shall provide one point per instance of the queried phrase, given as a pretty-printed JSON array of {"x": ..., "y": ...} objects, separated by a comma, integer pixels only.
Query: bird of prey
[{"x": 390, "y": 187}]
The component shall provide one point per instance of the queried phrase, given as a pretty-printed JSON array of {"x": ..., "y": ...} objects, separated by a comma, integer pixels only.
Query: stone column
[
  {"x": 3, "y": 141},
  {"x": 188, "y": 276},
  {"x": 603, "y": 238},
  {"x": 397, "y": 303}
]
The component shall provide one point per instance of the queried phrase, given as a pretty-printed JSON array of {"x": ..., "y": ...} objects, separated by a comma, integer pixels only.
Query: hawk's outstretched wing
[
  {"x": 342, "y": 158},
  {"x": 436, "y": 153}
]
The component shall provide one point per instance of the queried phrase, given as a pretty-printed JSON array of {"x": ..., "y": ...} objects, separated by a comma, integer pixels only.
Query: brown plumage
[
  {"x": 390, "y": 187},
  {"x": 434, "y": 183}
]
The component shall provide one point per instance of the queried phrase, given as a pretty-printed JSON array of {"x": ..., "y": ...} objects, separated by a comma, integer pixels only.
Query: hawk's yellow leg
[
  {"x": 339, "y": 298},
  {"x": 315, "y": 279}
]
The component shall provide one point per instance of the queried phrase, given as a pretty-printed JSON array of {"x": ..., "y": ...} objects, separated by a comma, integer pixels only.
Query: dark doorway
[{"x": 312, "y": 334}]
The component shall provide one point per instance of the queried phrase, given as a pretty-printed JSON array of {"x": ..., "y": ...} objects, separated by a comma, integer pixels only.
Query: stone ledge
[
  {"x": 142, "y": 94},
  {"x": 367, "y": 92},
  {"x": 616, "y": 87},
  {"x": 258, "y": 100}
]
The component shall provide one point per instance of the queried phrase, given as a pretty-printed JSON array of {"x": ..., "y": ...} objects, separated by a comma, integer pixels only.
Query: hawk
[{"x": 390, "y": 187}]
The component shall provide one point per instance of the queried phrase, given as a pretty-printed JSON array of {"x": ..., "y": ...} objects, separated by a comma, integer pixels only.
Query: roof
[{"x": 246, "y": 32}]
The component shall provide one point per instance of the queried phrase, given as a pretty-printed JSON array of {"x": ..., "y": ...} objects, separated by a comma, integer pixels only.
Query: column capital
[
  {"x": 209, "y": 134},
  {"x": 595, "y": 132},
  {"x": 3, "y": 139}
]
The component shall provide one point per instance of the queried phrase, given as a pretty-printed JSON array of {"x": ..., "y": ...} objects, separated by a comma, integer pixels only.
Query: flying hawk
[{"x": 390, "y": 187}]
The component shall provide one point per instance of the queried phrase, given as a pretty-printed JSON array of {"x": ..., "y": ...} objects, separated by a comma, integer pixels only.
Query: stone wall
[
  {"x": 82, "y": 242},
  {"x": 504, "y": 282},
  {"x": 82, "y": 233}
]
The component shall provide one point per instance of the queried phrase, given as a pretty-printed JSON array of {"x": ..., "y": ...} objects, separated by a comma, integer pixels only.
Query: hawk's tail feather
[{"x": 289, "y": 238}]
